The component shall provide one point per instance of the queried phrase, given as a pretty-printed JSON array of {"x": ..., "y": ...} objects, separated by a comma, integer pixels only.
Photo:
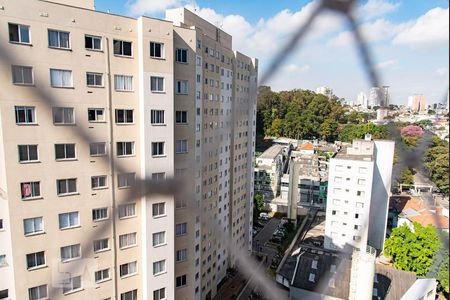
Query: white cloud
[
  {"x": 428, "y": 31},
  {"x": 293, "y": 68},
  {"x": 377, "y": 8},
  {"x": 150, "y": 7},
  {"x": 442, "y": 72},
  {"x": 387, "y": 64}
]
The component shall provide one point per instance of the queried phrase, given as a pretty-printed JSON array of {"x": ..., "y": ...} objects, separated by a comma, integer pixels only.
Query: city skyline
[{"x": 395, "y": 30}]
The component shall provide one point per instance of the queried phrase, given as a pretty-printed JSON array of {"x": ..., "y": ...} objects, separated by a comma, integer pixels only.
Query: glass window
[
  {"x": 159, "y": 238},
  {"x": 122, "y": 48},
  {"x": 123, "y": 83},
  {"x": 94, "y": 79},
  {"x": 71, "y": 284},
  {"x": 156, "y": 84},
  {"x": 99, "y": 214},
  {"x": 58, "y": 39},
  {"x": 19, "y": 33},
  {"x": 181, "y": 55},
  {"x": 63, "y": 115},
  {"x": 127, "y": 240},
  {"x": 159, "y": 294},
  {"x": 65, "y": 151},
  {"x": 68, "y": 220},
  {"x": 126, "y": 180},
  {"x": 22, "y": 75},
  {"x": 181, "y": 281},
  {"x": 35, "y": 260},
  {"x": 157, "y": 117},
  {"x": 33, "y": 225},
  {"x": 125, "y": 149},
  {"x": 96, "y": 114},
  {"x": 97, "y": 149},
  {"x": 182, "y": 87},
  {"x": 98, "y": 182},
  {"x": 100, "y": 245},
  {"x": 101, "y": 275},
  {"x": 157, "y": 148},
  {"x": 156, "y": 50},
  {"x": 131, "y": 295},
  {"x": 181, "y": 146},
  {"x": 124, "y": 116},
  {"x": 61, "y": 78},
  {"x": 181, "y": 117},
  {"x": 66, "y": 186},
  {"x": 127, "y": 210},
  {"x": 158, "y": 209},
  {"x": 25, "y": 114},
  {"x": 28, "y": 153},
  {"x": 38, "y": 292},
  {"x": 92, "y": 42},
  {"x": 181, "y": 255},
  {"x": 181, "y": 229},
  {"x": 70, "y": 252},
  {"x": 159, "y": 267}
]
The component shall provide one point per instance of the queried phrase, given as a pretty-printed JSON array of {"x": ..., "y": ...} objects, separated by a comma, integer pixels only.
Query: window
[
  {"x": 181, "y": 117},
  {"x": 127, "y": 240},
  {"x": 66, "y": 186},
  {"x": 180, "y": 229},
  {"x": 61, "y": 78},
  {"x": 357, "y": 227},
  {"x": 158, "y": 176},
  {"x": 122, "y": 48},
  {"x": 70, "y": 252},
  {"x": 339, "y": 168},
  {"x": 181, "y": 281},
  {"x": 58, "y": 39},
  {"x": 125, "y": 148},
  {"x": 159, "y": 294},
  {"x": 98, "y": 182},
  {"x": 101, "y": 275},
  {"x": 159, "y": 238},
  {"x": 33, "y": 226},
  {"x": 94, "y": 79},
  {"x": 157, "y": 148},
  {"x": 338, "y": 179},
  {"x": 359, "y": 205},
  {"x": 65, "y": 151},
  {"x": 181, "y": 255},
  {"x": 38, "y": 292},
  {"x": 157, "y": 117},
  {"x": 131, "y": 295},
  {"x": 356, "y": 216},
  {"x": 312, "y": 277},
  {"x": 1, "y": 225},
  {"x": 19, "y": 33},
  {"x": 336, "y": 202},
  {"x": 28, "y": 153},
  {"x": 360, "y": 193},
  {"x": 125, "y": 180},
  {"x": 69, "y": 220},
  {"x": 127, "y": 210},
  {"x": 93, "y": 42},
  {"x": 99, "y": 214},
  {"x": 96, "y": 115},
  {"x": 181, "y": 146},
  {"x": 361, "y": 182},
  {"x": 156, "y": 50},
  {"x": 356, "y": 238},
  {"x": 156, "y": 84},
  {"x": 63, "y": 115},
  {"x": 182, "y": 87},
  {"x": 35, "y": 260},
  {"x": 123, "y": 83},
  {"x": 334, "y": 212},
  {"x": 97, "y": 149},
  {"x": 159, "y": 267},
  {"x": 3, "y": 262},
  {"x": 158, "y": 209},
  {"x": 30, "y": 190},
  {"x": 181, "y": 55},
  {"x": 22, "y": 75},
  {"x": 25, "y": 114},
  {"x": 71, "y": 284},
  {"x": 362, "y": 170},
  {"x": 101, "y": 245}
]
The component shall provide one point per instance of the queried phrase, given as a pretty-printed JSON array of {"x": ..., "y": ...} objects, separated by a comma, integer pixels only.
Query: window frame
[
  {"x": 63, "y": 110},
  {"x": 183, "y": 279},
  {"x": 125, "y": 118},
  {"x": 95, "y": 74},
  {"x": 97, "y": 144},
  {"x": 72, "y": 247},
  {"x": 62, "y": 86},
  {"x": 69, "y": 47},
  {"x": 99, "y": 211},
  {"x": 65, "y": 152},
  {"x": 22, "y": 68},
  {"x": 92, "y": 38},
  {"x": 69, "y": 216},
  {"x": 118, "y": 88},
  {"x": 160, "y": 243},
  {"x": 183, "y": 229},
  {"x": 182, "y": 87},
  {"x": 122, "y": 48},
  {"x": 153, "y": 49},
  {"x": 127, "y": 178},
  {"x": 126, "y": 240},
  {"x": 159, "y": 294},
  {"x": 67, "y": 186},
  {"x": 179, "y": 53},
  {"x": 34, "y": 232},
  {"x": 19, "y": 34},
  {"x": 26, "y": 110},
  {"x": 71, "y": 282},
  {"x": 157, "y": 266},
  {"x": 39, "y": 296},
  {"x": 157, "y": 212},
  {"x": 96, "y": 115},
  {"x": 28, "y": 160},
  {"x": 98, "y": 178},
  {"x": 103, "y": 278},
  {"x": 125, "y": 146},
  {"x": 181, "y": 117},
  {"x": 124, "y": 209},
  {"x": 36, "y": 260},
  {"x": 156, "y": 88},
  {"x": 157, "y": 115},
  {"x": 101, "y": 242},
  {"x": 158, "y": 144},
  {"x": 181, "y": 146}
]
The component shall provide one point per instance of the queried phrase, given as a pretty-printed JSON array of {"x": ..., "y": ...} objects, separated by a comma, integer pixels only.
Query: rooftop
[
  {"x": 392, "y": 284},
  {"x": 421, "y": 210},
  {"x": 272, "y": 152}
]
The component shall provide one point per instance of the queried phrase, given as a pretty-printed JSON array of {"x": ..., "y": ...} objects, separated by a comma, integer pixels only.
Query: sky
[{"x": 409, "y": 42}]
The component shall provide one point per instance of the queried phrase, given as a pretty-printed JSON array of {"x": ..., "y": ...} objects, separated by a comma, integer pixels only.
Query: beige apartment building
[{"x": 91, "y": 105}]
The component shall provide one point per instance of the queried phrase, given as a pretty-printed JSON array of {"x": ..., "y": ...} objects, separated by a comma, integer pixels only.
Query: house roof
[
  {"x": 437, "y": 221},
  {"x": 392, "y": 284},
  {"x": 306, "y": 146},
  {"x": 419, "y": 210}
]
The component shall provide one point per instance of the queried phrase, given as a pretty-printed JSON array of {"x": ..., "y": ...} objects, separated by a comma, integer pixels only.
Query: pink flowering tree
[{"x": 412, "y": 131}]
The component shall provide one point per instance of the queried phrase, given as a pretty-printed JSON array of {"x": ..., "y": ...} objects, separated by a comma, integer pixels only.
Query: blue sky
[{"x": 409, "y": 40}]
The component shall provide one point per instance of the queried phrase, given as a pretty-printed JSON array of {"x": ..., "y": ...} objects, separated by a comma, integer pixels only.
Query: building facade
[
  {"x": 269, "y": 170},
  {"x": 358, "y": 195},
  {"x": 93, "y": 104}
]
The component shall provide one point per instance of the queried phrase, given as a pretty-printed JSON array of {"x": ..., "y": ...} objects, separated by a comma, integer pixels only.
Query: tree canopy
[
  {"x": 415, "y": 250},
  {"x": 436, "y": 162}
]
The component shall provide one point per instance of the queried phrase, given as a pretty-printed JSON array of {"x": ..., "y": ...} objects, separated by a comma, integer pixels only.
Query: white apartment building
[
  {"x": 269, "y": 170},
  {"x": 92, "y": 104},
  {"x": 359, "y": 184}
]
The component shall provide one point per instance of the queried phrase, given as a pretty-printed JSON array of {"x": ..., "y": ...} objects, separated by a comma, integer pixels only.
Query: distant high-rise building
[
  {"x": 418, "y": 103},
  {"x": 359, "y": 184},
  {"x": 324, "y": 90},
  {"x": 376, "y": 95},
  {"x": 362, "y": 100}
]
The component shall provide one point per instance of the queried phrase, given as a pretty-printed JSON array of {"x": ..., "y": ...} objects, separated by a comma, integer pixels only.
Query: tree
[
  {"x": 436, "y": 161},
  {"x": 443, "y": 274},
  {"x": 413, "y": 251},
  {"x": 411, "y": 131},
  {"x": 328, "y": 130},
  {"x": 407, "y": 176},
  {"x": 258, "y": 203}
]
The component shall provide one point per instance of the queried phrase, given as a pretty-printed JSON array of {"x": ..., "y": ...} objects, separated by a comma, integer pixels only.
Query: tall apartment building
[
  {"x": 93, "y": 103},
  {"x": 359, "y": 184},
  {"x": 417, "y": 103},
  {"x": 268, "y": 171}
]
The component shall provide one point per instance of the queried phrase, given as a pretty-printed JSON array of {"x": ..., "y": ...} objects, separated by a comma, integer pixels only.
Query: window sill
[
  {"x": 68, "y": 194},
  {"x": 158, "y": 58},
  {"x": 97, "y": 155},
  {"x": 29, "y": 162},
  {"x": 63, "y": 87},
  {"x": 159, "y": 156},
  {"x": 158, "y": 92},
  {"x": 68, "y": 228},
  {"x": 60, "y": 48},
  {"x": 159, "y": 125},
  {"x": 182, "y": 62},
  {"x": 160, "y": 273},
  {"x": 70, "y": 260},
  {"x": 181, "y": 123},
  {"x": 27, "y": 124},
  {"x": 124, "y": 56},
  {"x": 125, "y": 124},
  {"x": 64, "y": 124},
  {"x": 129, "y": 275},
  {"x": 128, "y": 247},
  {"x": 128, "y": 217},
  {"x": 25, "y": 84},
  {"x": 21, "y": 43},
  {"x": 182, "y": 94},
  {"x": 124, "y": 91},
  {"x": 73, "y": 291},
  {"x": 181, "y": 286},
  {"x": 37, "y": 268},
  {"x": 159, "y": 216},
  {"x": 94, "y": 50},
  {"x": 34, "y": 233},
  {"x": 102, "y": 250},
  {"x": 100, "y": 188},
  {"x": 100, "y": 220},
  {"x": 32, "y": 198},
  {"x": 125, "y": 156},
  {"x": 96, "y": 86},
  {"x": 97, "y": 122},
  {"x": 103, "y": 280},
  {"x": 160, "y": 245},
  {"x": 65, "y": 159}
]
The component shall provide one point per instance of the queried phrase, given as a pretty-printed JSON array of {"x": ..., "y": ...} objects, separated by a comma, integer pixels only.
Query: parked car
[
  {"x": 264, "y": 216},
  {"x": 276, "y": 239}
]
